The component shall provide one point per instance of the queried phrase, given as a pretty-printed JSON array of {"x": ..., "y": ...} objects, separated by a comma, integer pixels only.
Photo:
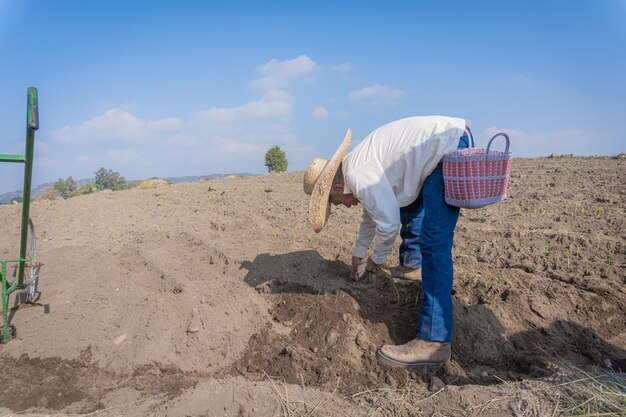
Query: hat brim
[{"x": 319, "y": 207}]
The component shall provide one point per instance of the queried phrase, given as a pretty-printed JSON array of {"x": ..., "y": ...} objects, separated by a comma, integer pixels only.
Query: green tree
[
  {"x": 85, "y": 189},
  {"x": 71, "y": 184},
  {"x": 65, "y": 187},
  {"x": 276, "y": 159},
  {"x": 61, "y": 187},
  {"x": 108, "y": 179}
]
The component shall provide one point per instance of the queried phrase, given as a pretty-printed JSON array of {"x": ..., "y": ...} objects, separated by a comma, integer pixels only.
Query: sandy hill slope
[{"x": 216, "y": 298}]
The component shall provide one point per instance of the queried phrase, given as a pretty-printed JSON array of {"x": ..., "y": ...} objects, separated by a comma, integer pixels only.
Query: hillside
[
  {"x": 6, "y": 198},
  {"x": 216, "y": 298}
]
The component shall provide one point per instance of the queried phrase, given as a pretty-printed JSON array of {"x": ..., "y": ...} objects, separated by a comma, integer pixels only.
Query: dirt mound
[
  {"x": 126, "y": 274},
  {"x": 329, "y": 340},
  {"x": 221, "y": 286},
  {"x": 152, "y": 183}
]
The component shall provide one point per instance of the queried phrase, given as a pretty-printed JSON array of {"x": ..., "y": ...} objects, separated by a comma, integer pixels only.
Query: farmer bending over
[{"x": 396, "y": 174}]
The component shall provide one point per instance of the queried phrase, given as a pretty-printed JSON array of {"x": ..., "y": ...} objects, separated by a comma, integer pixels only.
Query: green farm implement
[{"x": 26, "y": 265}]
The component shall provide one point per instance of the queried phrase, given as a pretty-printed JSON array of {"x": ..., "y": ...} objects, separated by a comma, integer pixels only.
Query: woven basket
[{"x": 477, "y": 177}]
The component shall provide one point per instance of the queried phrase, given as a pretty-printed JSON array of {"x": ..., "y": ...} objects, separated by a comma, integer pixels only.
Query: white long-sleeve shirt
[{"x": 387, "y": 169}]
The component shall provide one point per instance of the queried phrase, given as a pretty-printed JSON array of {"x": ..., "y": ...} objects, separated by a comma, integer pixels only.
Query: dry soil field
[{"x": 216, "y": 299}]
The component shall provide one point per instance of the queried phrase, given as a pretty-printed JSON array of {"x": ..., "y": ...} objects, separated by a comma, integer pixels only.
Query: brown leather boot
[
  {"x": 414, "y": 354},
  {"x": 405, "y": 272}
]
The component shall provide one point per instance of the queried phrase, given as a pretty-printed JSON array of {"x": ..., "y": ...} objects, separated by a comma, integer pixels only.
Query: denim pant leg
[
  {"x": 436, "y": 236},
  {"x": 411, "y": 218}
]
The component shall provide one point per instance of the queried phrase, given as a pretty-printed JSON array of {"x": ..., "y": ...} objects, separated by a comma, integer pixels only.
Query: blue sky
[{"x": 156, "y": 88}]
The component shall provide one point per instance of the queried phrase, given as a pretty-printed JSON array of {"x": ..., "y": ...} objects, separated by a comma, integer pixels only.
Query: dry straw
[{"x": 319, "y": 208}]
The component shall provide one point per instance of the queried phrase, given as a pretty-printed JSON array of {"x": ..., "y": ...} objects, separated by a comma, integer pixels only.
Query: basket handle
[
  {"x": 495, "y": 136},
  {"x": 470, "y": 136}
]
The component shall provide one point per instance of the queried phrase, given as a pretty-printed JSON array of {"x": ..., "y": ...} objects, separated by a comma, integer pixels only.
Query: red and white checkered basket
[{"x": 477, "y": 177}]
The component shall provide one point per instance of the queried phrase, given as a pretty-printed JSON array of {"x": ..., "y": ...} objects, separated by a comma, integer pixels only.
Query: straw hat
[{"x": 318, "y": 179}]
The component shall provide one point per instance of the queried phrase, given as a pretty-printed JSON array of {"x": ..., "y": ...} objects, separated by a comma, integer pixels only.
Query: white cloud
[
  {"x": 261, "y": 120},
  {"x": 532, "y": 144},
  {"x": 377, "y": 93},
  {"x": 278, "y": 74},
  {"x": 274, "y": 104},
  {"x": 320, "y": 113},
  {"x": 123, "y": 157},
  {"x": 217, "y": 139},
  {"x": 234, "y": 147},
  {"x": 341, "y": 68},
  {"x": 41, "y": 146},
  {"x": 114, "y": 126}
]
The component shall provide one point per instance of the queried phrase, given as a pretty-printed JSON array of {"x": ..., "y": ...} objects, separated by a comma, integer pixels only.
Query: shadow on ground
[{"x": 327, "y": 328}]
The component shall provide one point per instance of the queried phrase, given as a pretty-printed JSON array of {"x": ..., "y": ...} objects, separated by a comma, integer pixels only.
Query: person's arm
[
  {"x": 371, "y": 188},
  {"x": 364, "y": 237},
  {"x": 367, "y": 231},
  {"x": 387, "y": 219}
]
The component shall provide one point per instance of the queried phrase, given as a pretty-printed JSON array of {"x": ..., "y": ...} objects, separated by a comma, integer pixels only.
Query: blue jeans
[{"x": 427, "y": 233}]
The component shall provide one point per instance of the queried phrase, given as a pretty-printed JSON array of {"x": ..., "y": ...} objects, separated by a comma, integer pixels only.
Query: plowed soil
[{"x": 216, "y": 298}]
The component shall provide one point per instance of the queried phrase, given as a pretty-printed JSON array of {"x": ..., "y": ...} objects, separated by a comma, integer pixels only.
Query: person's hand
[
  {"x": 371, "y": 266},
  {"x": 354, "y": 272}
]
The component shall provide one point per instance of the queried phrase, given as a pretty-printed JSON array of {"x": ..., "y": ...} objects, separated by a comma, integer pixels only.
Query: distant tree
[
  {"x": 276, "y": 159},
  {"x": 61, "y": 187},
  {"x": 65, "y": 187},
  {"x": 71, "y": 184},
  {"x": 49, "y": 193},
  {"x": 85, "y": 189},
  {"x": 108, "y": 179}
]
